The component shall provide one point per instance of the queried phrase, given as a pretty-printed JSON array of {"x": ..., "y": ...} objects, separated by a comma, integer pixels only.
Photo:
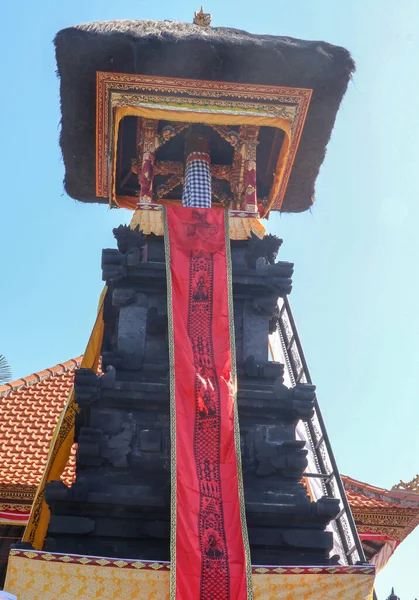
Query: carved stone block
[{"x": 150, "y": 440}]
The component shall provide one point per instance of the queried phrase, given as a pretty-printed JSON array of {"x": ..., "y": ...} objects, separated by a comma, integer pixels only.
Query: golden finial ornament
[
  {"x": 411, "y": 486},
  {"x": 202, "y": 19}
]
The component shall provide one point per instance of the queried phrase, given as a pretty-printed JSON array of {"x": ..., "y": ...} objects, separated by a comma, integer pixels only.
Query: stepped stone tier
[
  {"x": 119, "y": 504},
  {"x": 29, "y": 410}
]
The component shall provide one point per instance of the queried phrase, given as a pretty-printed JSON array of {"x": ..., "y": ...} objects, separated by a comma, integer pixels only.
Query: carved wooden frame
[{"x": 209, "y": 98}]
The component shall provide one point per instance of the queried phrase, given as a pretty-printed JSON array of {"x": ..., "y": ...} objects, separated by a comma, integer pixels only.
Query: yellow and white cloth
[
  {"x": 240, "y": 228},
  {"x": 45, "y": 576}
]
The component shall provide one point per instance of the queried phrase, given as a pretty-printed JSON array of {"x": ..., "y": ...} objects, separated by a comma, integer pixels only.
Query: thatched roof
[{"x": 185, "y": 50}]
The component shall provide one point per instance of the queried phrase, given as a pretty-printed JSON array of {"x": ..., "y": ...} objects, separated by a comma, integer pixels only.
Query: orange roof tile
[
  {"x": 364, "y": 495},
  {"x": 29, "y": 410},
  {"x": 392, "y": 513}
]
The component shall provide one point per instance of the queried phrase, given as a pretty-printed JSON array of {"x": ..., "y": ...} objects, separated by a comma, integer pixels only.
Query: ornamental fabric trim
[
  {"x": 396, "y": 523},
  {"x": 35, "y": 575}
]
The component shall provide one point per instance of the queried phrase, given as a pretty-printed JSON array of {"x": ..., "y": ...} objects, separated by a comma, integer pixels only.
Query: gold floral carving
[
  {"x": 170, "y": 184},
  {"x": 397, "y": 523},
  {"x": 17, "y": 492},
  {"x": 206, "y": 97},
  {"x": 200, "y": 105},
  {"x": 202, "y": 18},
  {"x": 23, "y": 508},
  {"x": 411, "y": 486},
  {"x": 172, "y": 167}
]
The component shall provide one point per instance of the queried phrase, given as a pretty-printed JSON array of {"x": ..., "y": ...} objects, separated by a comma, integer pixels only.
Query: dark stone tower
[{"x": 119, "y": 504}]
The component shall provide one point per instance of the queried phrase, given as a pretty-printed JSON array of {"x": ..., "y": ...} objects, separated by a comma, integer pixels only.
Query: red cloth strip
[{"x": 208, "y": 537}]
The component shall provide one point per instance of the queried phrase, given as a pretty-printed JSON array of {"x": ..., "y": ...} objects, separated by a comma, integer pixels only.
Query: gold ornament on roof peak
[
  {"x": 202, "y": 19},
  {"x": 411, "y": 486}
]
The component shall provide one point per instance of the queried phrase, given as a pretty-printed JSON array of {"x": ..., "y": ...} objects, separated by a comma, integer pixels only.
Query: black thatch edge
[{"x": 183, "y": 50}]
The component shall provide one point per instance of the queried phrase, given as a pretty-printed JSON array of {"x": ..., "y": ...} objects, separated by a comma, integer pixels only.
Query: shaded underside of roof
[
  {"x": 379, "y": 511},
  {"x": 188, "y": 51}
]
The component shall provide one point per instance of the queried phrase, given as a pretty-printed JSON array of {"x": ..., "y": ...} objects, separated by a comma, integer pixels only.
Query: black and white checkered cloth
[{"x": 197, "y": 184}]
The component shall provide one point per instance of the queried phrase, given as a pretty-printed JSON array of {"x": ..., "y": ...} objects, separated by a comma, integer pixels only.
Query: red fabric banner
[{"x": 209, "y": 549}]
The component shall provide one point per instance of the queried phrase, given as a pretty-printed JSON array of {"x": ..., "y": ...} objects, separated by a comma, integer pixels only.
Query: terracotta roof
[
  {"x": 365, "y": 495},
  {"x": 29, "y": 409},
  {"x": 391, "y": 513},
  {"x": 359, "y": 500}
]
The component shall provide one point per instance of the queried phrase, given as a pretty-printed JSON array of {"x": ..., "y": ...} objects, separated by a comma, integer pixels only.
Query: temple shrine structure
[
  {"x": 30, "y": 409},
  {"x": 184, "y": 455}
]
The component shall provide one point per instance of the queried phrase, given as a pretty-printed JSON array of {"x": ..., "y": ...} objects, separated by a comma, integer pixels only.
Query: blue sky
[{"x": 355, "y": 253}]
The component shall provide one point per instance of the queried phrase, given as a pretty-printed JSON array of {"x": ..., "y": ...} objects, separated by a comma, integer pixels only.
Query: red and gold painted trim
[
  {"x": 194, "y": 101},
  {"x": 198, "y": 156},
  {"x": 127, "y": 563}
]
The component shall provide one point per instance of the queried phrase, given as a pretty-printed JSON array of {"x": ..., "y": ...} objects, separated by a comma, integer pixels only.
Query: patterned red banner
[{"x": 209, "y": 548}]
